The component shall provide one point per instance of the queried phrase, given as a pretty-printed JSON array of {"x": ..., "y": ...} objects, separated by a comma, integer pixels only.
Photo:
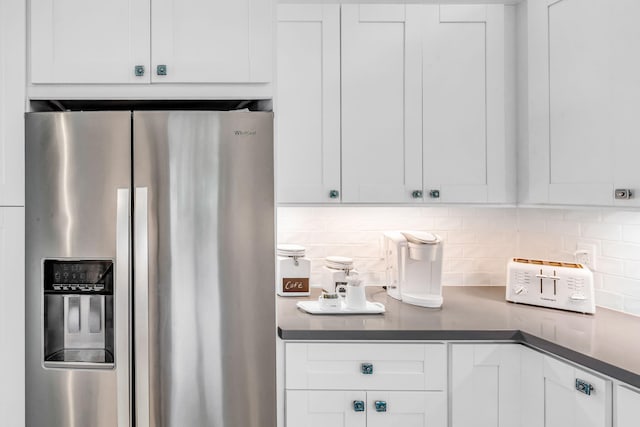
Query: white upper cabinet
[
  {"x": 142, "y": 41},
  {"x": 92, "y": 41},
  {"x": 381, "y": 112},
  {"x": 308, "y": 103},
  {"x": 12, "y": 102},
  {"x": 467, "y": 97},
  {"x": 222, "y": 41},
  {"x": 583, "y": 92},
  {"x": 415, "y": 104}
]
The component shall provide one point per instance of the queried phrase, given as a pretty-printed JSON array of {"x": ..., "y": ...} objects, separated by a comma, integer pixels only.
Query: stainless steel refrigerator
[{"x": 150, "y": 269}]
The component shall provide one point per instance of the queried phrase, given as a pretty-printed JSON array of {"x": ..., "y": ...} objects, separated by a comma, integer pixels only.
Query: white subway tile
[
  {"x": 632, "y": 306},
  {"x": 632, "y": 269},
  {"x": 461, "y": 237},
  {"x": 570, "y": 228},
  {"x": 631, "y": 233},
  {"x": 474, "y": 223},
  {"x": 597, "y": 230},
  {"x": 621, "y": 217},
  {"x": 609, "y": 300},
  {"x": 452, "y": 250},
  {"x": 582, "y": 215},
  {"x": 477, "y": 279},
  {"x": 536, "y": 225},
  {"x": 447, "y": 223},
  {"x": 621, "y": 285},
  {"x": 452, "y": 279},
  {"x": 458, "y": 265},
  {"x": 621, "y": 250},
  {"x": 610, "y": 266},
  {"x": 434, "y": 211}
]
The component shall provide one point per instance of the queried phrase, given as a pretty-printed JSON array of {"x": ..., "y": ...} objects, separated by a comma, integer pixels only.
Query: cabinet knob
[
  {"x": 139, "y": 70},
  {"x": 358, "y": 406},
  {"x": 434, "y": 194},
  {"x": 417, "y": 194},
  {"x": 334, "y": 194},
  {"x": 366, "y": 368},
  {"x": 381, "y": 406},
  {"x": 161, "y": 70},
  {"x": 584, "y": 387}
]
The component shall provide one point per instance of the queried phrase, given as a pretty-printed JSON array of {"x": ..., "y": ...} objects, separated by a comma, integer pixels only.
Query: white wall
[{"x": 478, "y": 241}]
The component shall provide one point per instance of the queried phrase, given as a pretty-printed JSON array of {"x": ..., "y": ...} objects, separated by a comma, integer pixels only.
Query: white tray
[{"x": 314, "y": 307}]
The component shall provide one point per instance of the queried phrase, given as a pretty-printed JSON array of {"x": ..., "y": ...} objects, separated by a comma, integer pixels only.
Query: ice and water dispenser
[{"x": 78, "y": 313}]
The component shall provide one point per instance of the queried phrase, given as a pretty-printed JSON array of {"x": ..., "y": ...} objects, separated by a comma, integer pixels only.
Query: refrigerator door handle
[
  {"x": 141, "y": 300},
  {"x": 122, "y": 309}
]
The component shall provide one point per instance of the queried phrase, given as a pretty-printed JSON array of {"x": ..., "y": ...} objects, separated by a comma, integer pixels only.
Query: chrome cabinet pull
[
  {"x": 434, "y": 194},
  {"x": 161, "y": 70},
  {"x": 366, "y": 368},
  {"x": 358, "y": 406},
  {"x": 584, "y": 387},
  {"x": 139, "y": 70},
  {"x": 334, "y": 194},
  {"x": 417, "y": 194},
  {"x": 381, "y": 406}
]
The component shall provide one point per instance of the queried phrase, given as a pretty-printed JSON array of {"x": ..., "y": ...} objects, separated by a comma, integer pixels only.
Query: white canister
[
  {"x": 293, "y": 271},
  {"x": 336, "y": 271}
]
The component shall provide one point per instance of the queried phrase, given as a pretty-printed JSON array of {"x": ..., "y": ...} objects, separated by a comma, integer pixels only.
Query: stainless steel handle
[
  {"x": 141, "y": 256},
  {"x": 122, "y": 310},
  {"x": 584, "y": 387}
]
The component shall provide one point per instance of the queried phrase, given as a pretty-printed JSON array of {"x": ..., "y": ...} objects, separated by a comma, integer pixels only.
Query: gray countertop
[{"x": 608, "y": 342}]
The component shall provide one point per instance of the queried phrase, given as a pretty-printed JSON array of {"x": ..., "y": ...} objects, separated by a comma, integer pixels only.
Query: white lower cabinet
[
  {"x": 366, "y": 384},
  {"x": 485, "y": 385},
  {"x": 559, "y": 394},
  {"x": 336, "y": 408},
  {"x": 627, "y": 407},
  {"x": 447, "y": 384}
]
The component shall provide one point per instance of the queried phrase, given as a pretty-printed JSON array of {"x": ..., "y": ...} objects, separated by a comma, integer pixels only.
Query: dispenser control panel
[
  {"x": 562, "y": 285},
  {"x": 78, "y": 275}
]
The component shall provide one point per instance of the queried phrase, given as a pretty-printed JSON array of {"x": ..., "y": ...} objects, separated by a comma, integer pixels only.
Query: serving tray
[{"x": 314, "y": 307}]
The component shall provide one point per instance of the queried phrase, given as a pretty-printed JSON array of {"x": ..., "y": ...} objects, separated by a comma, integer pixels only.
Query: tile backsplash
[{"x": 478, "y": 241}]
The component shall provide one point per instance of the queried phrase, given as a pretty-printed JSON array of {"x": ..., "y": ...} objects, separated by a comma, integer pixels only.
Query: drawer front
[{"x": 380, "y": 366}]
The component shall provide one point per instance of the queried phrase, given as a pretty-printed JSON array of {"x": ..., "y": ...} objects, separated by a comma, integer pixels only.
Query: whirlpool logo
[{"x": 244, "y": 132}]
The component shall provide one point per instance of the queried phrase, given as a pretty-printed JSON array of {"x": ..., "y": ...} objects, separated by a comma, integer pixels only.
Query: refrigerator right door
[{"x": 204, "y": 269}]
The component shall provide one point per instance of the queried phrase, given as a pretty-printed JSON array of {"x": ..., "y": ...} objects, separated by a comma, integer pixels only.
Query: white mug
[{"x": 355, "y": 298}]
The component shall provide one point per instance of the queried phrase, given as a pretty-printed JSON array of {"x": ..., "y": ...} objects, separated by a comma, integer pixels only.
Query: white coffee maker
[{"x": 414, "y": 267}]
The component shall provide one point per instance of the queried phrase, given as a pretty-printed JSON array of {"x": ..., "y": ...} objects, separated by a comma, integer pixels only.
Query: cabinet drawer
[{"x": 381, "y": 366}]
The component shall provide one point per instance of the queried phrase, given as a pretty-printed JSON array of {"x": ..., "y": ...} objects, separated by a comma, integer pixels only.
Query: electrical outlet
[{"x": 586, "y": 254}]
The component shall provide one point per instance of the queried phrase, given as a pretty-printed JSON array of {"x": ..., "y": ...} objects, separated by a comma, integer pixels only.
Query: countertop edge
[{"x": 515, "y": 336}]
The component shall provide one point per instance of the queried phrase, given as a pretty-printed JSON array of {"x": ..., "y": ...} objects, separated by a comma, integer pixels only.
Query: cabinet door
[
  {"x": 74, "y": 41},
  {"x": 565, "y": 406},
  {"x": 12, "y": 316},
  {"x": 627, "y": 407},
  {"x": 381, "y": 104},
  {"x": 308, "y": 103},
  {"x": 467, "y": 150},
  {"x": 406, "y": 409},
  {"x": 12, "y": 102},
  {"x": 572, "y": 146},
  {"x": 485, "y": 385},
  {"x": 306, "y": 408},
  {"x": 222, "y": 41},
  {"x": 625, "y": 70}
]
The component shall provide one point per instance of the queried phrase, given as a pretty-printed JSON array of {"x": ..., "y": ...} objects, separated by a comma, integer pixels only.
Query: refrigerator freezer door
[
  {"x": 78, "y": 178},
  {"x": 210, "y": 233}
]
